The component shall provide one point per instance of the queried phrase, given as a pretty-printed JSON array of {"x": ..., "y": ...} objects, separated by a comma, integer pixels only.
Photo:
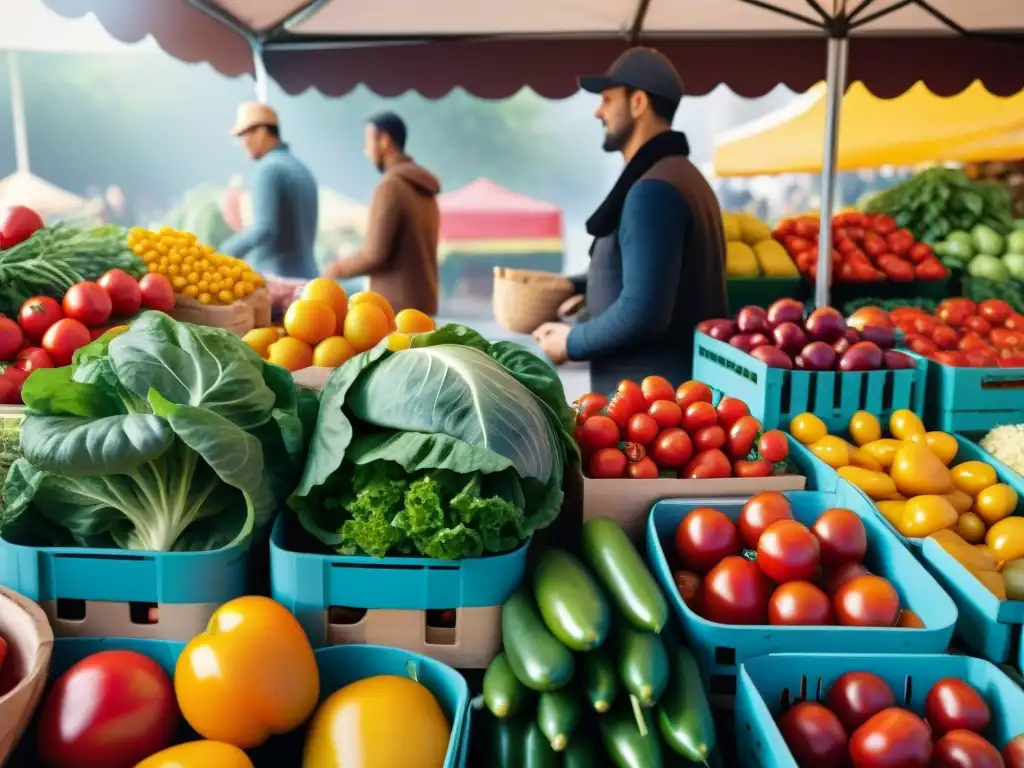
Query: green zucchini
[
  {"x": 503, "y": 693},
  {"x": 558, "y": 715},
  {"x": 643, "y": 663},
  {"x": 623, "y": 741},
  {"x": 538, "y": 660},
  {"x": 580, "y": 753},
  {"x": 571, "y": 603},
  {"x": 620, "y": 570},
  {"x": 601, "y": 679},
  {"x": 537, "y": 752},
  {"x": 506, "y": 741},
  {"x": 684, "y": 713}
]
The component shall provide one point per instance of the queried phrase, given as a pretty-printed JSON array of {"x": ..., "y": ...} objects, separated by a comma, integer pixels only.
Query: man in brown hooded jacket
[{"x": 400, "y": 251}]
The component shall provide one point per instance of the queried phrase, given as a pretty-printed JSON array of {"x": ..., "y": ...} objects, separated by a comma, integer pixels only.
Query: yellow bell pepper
[
  {"x": 877, "y": 485},
  {"x": 919, "y": 472},
  {"x": 199, "y": 754},
  {"x": 926, "y": 514},
  {"x": 1006, "y": 538},
  {"x": 251, "y": 675},
  {"x": 980, "y": 564}
]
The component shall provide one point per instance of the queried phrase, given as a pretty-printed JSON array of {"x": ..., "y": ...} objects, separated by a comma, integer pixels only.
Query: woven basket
[
  {"x": 23, "y": 677},
  {"x": 239, "y": 318},
  {"x": 524, "y": 299}
]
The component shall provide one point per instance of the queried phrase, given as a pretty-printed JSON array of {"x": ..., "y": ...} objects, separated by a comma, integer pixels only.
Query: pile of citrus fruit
[{"x": 324, "y": 328}]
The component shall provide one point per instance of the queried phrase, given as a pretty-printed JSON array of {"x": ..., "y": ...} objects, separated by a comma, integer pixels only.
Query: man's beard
[{"x": 615, "y": 141}]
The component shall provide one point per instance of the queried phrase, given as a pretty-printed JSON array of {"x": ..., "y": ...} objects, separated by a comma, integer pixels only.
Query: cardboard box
[{"x": 23, "y": 677}]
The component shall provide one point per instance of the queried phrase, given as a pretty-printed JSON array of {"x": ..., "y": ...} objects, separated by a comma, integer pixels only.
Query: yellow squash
[
  {"x": 833, "y": 450},
  {"x": 972, "y": 477},
  {"x": 903, "y": 423},
  {"x": 1006, "y": 538},
  {"x": 919, "y": 472},
  {"x": 864, "y": 428},
  {"x": 943, "y": 445},
  {"x": 864, "y": 460},
  {"x": 877, "y": 485},
  {"x": 883, "y": 451},
  {"x": 926, "y": 514},
  {"x": 199, "y": 754},
  {"x": 892, "y": 511},
  {"x": 807, "y": 428},
  {"x": 980, "y": 564},
  {"x": 996, "y": 502}
]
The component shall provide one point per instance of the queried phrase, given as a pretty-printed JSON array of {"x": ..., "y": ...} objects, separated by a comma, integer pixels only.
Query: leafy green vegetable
[
  {"x": 168, "y": 436},
  {"x": 452, "y": 448}
]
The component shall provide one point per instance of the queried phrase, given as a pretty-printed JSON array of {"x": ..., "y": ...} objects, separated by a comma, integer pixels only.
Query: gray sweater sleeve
[{"x": 655, "y": 221}]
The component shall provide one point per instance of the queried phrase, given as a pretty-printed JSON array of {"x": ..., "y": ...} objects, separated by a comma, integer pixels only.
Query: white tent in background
[{"x": 46, "y": 199}]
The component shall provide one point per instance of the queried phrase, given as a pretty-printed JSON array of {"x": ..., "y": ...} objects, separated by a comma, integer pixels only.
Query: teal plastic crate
[
  {"x": 770, "y": 684},
  {"x": 775, "y": 396},
  {"x": 720, "y": 648},
  {"x": 339, "y": 666}
]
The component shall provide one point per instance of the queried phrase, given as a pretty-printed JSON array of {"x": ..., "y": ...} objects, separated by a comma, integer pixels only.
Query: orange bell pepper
[
  {"x": 199, "y": 754},
  {"x": 979, "y": 563},
  {"x": 251, "y": 675}
]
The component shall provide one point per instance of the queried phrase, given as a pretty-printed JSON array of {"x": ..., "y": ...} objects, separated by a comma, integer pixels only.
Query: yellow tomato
[
  {"x": 330, "y": 293},
  {"x": 251, "y": 675},
  {"x": 971, "y": 528},
  {"x": 903, "y": 423},
  {"x": 892, "y": 511},
  {"x": 365, "y": 325},
  {"x": 919, "y": 472},
  {"x": 310, "y": 321},
  {"x": 833, "y": 450},
  {"x": 996, "y": 502},
  {"x": 877, "y": 485},
  {"x": 371, "y": 297},
  {"x": 926, "y": 514},
  {"x": 398, "y": 341},
  {"x": 942, "y": 445},
  {"x": 1006, "y": 538},
  {"x": 864, "y": 460},
  {"x": 413, "y": 321},
  {"x": 260, "y": 340},
  {"x": 332, "y": 352},
  {"x": 807, "y": 428},
  {"x": 972, "y": 477},
  {"x": 961, "y": 502},
  {"x": 198, "y": 754},
  {"x": 864, "y": 428},
  {"x": 379, "y": 721},
  {"x": 291, "y": 354},
  {"x": 883, "y": 451}
]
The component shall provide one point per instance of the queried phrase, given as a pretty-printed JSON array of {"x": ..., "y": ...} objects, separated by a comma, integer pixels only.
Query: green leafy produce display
[
  {"x": 450, "y": 449},
  {"x": 936, "y": 202},
  {"x": 167, "y": 436},
  {"x": 978, "y": 289},
  {"x": 57, "y": 257},
  {"x": 10, "y": 438}
]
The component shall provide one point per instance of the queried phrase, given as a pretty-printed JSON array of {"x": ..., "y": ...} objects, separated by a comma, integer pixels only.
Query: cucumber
[
  {"x": 620, "y": 570},
  {"x": 601, "y": 679},
  {"x": 507, "y": 741},
  {"x": 538, "y": 660},
  {"x": 643, "y": 663},
  {"x": 684, "y": 713},
  {"x": 503, "y": 693},
  {"x": 625, "y": 745},
  {"x": 580, "y": 753},
  {"x": 537, "y": 752},
  {"x": 558, "y": 715},
  {"x": 571, "y": 603}
]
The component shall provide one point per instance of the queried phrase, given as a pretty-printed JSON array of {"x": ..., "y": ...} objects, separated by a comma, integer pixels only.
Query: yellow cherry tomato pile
[
  {"x": 325, "y": 327},
  {"x": 195, "y": 270}
]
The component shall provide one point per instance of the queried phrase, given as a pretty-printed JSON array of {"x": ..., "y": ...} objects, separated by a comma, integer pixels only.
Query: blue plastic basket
[
  {"x": 720, "y": 648},
  {"x": 775, "y": 395},
  {"x": 339, "y": 666},
  {"x": 769, "y": 684}
]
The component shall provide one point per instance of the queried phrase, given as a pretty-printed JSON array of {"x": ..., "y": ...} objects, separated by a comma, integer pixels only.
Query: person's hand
[
  {"x": 552, "y": 338},
  {"x": 570, "y": 306},
  {"x": 334, "y": 270}
]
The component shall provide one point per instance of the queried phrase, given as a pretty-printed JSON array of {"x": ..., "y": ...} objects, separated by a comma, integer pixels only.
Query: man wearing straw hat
[{"x": 284, "y": 201}]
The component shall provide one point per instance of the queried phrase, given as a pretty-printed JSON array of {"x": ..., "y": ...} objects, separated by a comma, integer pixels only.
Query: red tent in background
[{"x": 482, "y": 210}]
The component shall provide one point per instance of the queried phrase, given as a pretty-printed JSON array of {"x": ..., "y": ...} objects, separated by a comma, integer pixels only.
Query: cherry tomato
[
  {"x": 953, "y": 704},
  {"x": 589, "y": 405},
  {"x": 787, "y": 551},
  {"x": 31, "y": 358},
  {"x": 708, "y": 465},
  {"x": 655, "y": 388},
  {"x": 633, "y": 394},
  {"x": 799, "y": 604},
  {"x": 672, "y": 449},
  {"x": 704, "y": 537},
  {"x": 866, "y": 601},
  {"x": 856, "y": 697},
  {"x": 642, "y": 428},
  {"x": 38, "y": 314},
  {"x": 1013, "y": 752},
  {"x": 645, "y": 469},
  {"x": 621, "y": 409},
  {"x": 692, "y": 392},
  {"x": 730, "y": 410},
  {"x": 157, "y": 292},
  {"x": 742, "y": 435},
  {"x": 11, "y": 338},
  {"x": 709, "y": 437},
  {"x": 814, "y": 735},
  {"x": 894, "y": 738},
  {"x": 842, "y": 537},
  {"x": 597, "y": 432},
  {"x": 699, "y": 415},
  {"x": 666, "y": 413},
  {"x": 87, "y": 303},
  {"x": 688, "y": 585},
  {"x": 607, "y": 463},
  {"x": 755, "y": 468},
  {"x": 63, "y": 339},
  {"x": 773, "y": 446},
  {"x": 123, "y": 289},
  {"x": 910, "y": 620},
  {"x": 760, "y": 511},
  {"x": 110, "y": 710},
  {"x": 965, "y": 748},
  {"x": 846, "y": 572},
  {"x": 634, "y": 452},
  {"x": 735, "y": 592}
]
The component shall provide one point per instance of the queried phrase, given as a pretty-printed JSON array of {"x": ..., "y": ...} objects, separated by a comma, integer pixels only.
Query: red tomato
[
  {"x": 31, "y": 358},
  {"x": 953, "y": 704},
  {"x": 741, "y": 437},
  {"x": 965, "y": 748},
  {"x": 799, "y": 604},
  {"x": 735, "y": 592},
  {"x": 760, "y": 511},
  {"x": 691, "y": 392},
  {"x": 642, "y": 429},
  {"x": 978, "y": 325},
  {"x": 841, "y": 575},
  {"x": 1013, "y": 752},
  {"x": 124, "y": 291},
  {"x": 995, "y": 311},
  {"x": 11, "y": 338},
  {"x": 814, "y": 735},
  {"x": 607, "y": 463},
  {"x": 924, "y": 324},
  {"x": 867, "y": 601},
  {"x": 920, "y": 252},
  {"x": 157, "y": 292},
  {"x": 110, "y": 710},
  {"x": 12, "y": 381},
  {"x": 63, "y": 339},
  {"x": 666, "y": 413},
  {"x": 707, "y": 465},
  {"x": 589, "y": 405},
  {"x": 672, "y": 449},
  {"x": 900, "y": 242},
  {"x": 597, "y": 432},
  {"x": 882, "y": 224},
  {"x": 708, "y": 438},
  {"x": 621, "y": 409},
  {"x": 704, "y": 537},
  {"x": 894, "y": 738},
  {"x": 1014, "y": 322},
  {"x": 87, "y": 303},
  {"x": 645, "y": 469},
  {"x": 773, "y": 446},
  {"x": 755, "y": 468},
  {"x": 699, "y": 415},
  {"x": 688, "y": 586},
  {"x": 842, "y": 537},
  {"x": 931, "y": 269},
  {"x": 945, "y": 337},
  {"x": 38, "y": 314},
  {"x": 923, "y": 346},
  {"x": 656, "y": 388},
  {"x": 730, "y": 410},
  {"x": 1004, "y": 338},
  {"x": 953, "y": 314},
  {"x": 856, "y": 697},
  {"x": 952, "y": 359},
  {"x": 787, "y": 551}
]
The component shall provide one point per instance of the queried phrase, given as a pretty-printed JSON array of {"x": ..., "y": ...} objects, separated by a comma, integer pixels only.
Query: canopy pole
[
  {"x": 838, "y": 47},
  {"x": 18, "y": 113},
  {"x": 259, "y": 68}
]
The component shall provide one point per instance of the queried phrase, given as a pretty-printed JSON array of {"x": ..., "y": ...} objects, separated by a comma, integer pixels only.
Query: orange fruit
[
  {"x": 413, "y": 321},
  {"x": 371, "y": 297},
  {"x": 332, "y": 352},
  {"x": 290, "y": 353},
  {"x": 365, "y": 325},
  {"x": 310, "y": 321},
  {"x": 330, "y": 293},
  {"x": 260, "y": 340},
  {"x": 398, "y": 341}
]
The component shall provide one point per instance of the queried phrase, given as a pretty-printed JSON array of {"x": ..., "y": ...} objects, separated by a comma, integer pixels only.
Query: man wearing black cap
[{"x": 658, "y": 258}]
